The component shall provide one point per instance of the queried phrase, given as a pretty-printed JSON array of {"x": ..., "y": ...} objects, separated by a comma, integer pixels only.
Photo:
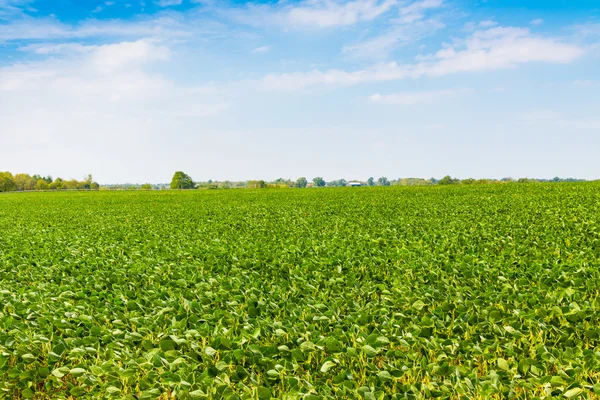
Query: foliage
[
  {"x": 371, "y": 181},
  {"x": 25, "y": 182},
  {"x": 319, "y": 182},
  {"x": 301, "y": 182},
  {"x": 412, "y": 182},
  {"x": 338, "y": 183},
  {"x": 181, "y": 180},
  {"x": 257, "y": 184},
  {"x": 383, "y": 181},
  {"x": 474, "y": 292},
  {"x": 7, "y": 182},
  {"x": 448, "y": 180}
]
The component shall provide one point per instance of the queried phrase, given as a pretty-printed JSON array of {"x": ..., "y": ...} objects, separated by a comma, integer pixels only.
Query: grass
[{"x": 375, "y": 293}]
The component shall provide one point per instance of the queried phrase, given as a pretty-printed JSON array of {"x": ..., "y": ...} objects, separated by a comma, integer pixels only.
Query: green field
[{"x": 483, "y": 292}]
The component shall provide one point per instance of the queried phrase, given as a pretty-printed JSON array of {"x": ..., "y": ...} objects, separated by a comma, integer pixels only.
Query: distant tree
[
  {"x": 7, "y": 182},
  {"x": 339, "y": 182},
  {"x": 87, "y": 182},
  {"x": 257, "y": 184},
  {"x": 225, "y": 185},
  {"x": 448, "y": 180},
  {"x": 318, "y": 181},
  {"x": 301, "y": 182},
  {"x": 24, "y": 182},
  {"x": 146, "y": 186},
  {"x": 383, "y": 181},
  {"x": 41, "y": 184},
  {"x": 371, "y": 181},
  {"x": 182, "y": 180},
  {"x": 58, "y": 183},
  {"x": 74, "y": 184},
  {"x": 469, "y": 181},
  {"x": 525, "y": 180}
]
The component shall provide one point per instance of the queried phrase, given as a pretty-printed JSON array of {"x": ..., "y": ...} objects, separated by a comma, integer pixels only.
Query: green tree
[
  {"x": 24, "y": 182},
  {"x": 371, "y": 181},
  {"x": 58, "y": 183},
  {"x": 318, "y": 181},
  {"x": 383, "y": 181},
  {"x": 182, "y": 180},
  {"x": 339, "y": 182},
  {"x": 257, "y": 184},
  {"x": 146, "y": 186},
  {"x": 41, "y": 184},
  {"x": 301, "y": 182},
  {"x": 448, "y": 180},
  {"x": 7, "y": 182}
]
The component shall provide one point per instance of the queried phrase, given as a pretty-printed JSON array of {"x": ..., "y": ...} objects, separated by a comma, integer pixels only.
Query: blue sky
[{"x": 131, "y": 91}]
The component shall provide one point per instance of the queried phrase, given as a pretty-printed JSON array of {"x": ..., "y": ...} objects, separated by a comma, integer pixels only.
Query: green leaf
[
  {"x": 209, "y": 351},
  {"x": 418, "y": 305},
  {"x": 369, "y": 351},
  {"x": 307, "y": 346},
  {"x": 77, "y": 371},
  {"x": 503, "y": 364},
  {"x": 28, "y": 358},
  {"x": 327, "y": 366},
  {"x": 264, "y": 393},
  {"x": 384, "y": 376},
  {"x": 28, "y": 393},
  {"x": 77, "y": 391},
  {"x": 197, "y": 394},
  {"x": 113, "y": 390},
  {"x": 573, "y": 392}
]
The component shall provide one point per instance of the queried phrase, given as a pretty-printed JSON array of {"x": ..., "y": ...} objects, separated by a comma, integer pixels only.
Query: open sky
[{"x": 132, "y": 90}]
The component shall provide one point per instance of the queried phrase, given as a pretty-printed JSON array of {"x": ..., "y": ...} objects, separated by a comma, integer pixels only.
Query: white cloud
[
  {"x": 413, "y": 98},
  {"x": 93, "y": 121},
  {"x": 585, "y": 83},
  {"x": 316, "y": 13},
  {"x": 473, "y": 26},
  {"x": 416, "y": 10},
  {"x": 60, "y": 48},
  {"x": 112, "y": 57},
  {"x": 88, "y": 66},
  {"x": 558, "y": 119},
  {"x": 487, "y": 24},
  {"x": 104, "y": 90},
  {"x": 495, "y": 48},
  {"x": 11, "y": 8},
  {"x": 380, "y": 46},
  {"x": 261, "y": 50},
  {"x": 169, "y": 3},
  {"x": 167, "y": 26},
  {"x": 537, "y": 22},
  {"x": 410, "y": 26}
]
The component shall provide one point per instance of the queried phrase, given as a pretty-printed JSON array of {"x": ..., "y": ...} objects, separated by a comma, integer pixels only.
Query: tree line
[
  {"x": 25, "y": 182},
  {"x": 182, "y": 180}
]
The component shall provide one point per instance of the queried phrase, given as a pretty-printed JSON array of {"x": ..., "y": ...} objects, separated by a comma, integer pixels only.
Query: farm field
[{"x": 470, "y": 292}]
